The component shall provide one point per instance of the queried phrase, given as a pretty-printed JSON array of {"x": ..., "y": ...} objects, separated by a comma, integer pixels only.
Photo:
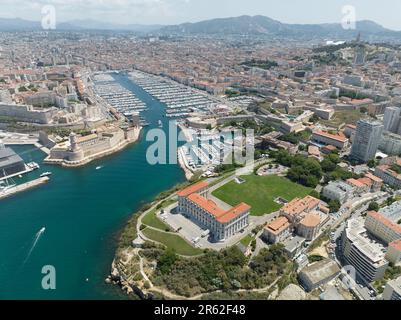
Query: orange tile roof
[
  {"x": 234, "y": 212},
  {"x": 396, "y": 244},
  {"x": 311, "y": 220},
  {"x": 206, "y": 204},
  {"x": 356, "y": 183},
  {"x": 192, "y": 189},
  {"x": 387, "y": 222},
  {"x": 366, "y": 181},
  {"x": 278, "y": 225},
  {"x": 373, "y": 177},
  {"x": 330, "y": 136},
  {"x": 297, "y": 206},
  {"x": 221, "y": 215}
]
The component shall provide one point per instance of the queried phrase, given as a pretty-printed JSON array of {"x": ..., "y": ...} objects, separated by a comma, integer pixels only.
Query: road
[{"x": 354, "y": 209}]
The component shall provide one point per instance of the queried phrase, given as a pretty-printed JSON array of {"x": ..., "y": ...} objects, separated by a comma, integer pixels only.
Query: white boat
[
  {"x": 33, "y": 165},
  {"x": 45, "y": 174},
  {"x": 160, "y": 124},
  {"x": 99, "y": 167}
]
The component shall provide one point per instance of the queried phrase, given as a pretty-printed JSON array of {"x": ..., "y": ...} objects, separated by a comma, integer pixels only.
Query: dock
[{"x": 23, "y": 187}]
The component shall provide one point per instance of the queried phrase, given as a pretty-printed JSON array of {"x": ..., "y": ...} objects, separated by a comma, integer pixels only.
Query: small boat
[
  {"x": 99, "y": 167},
  {"x": 45, "y": 174},
  {"x": 33, "y": 165},
  {"x": 160, "y": 124}
]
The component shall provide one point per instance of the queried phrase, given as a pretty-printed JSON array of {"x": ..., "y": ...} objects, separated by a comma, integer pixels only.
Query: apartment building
[
  {"x": 367, "y": 139},
  {"x": 393, "y": 290},
  {"x": 382, "y": 227},
  {"x": 362, "y": 252}
]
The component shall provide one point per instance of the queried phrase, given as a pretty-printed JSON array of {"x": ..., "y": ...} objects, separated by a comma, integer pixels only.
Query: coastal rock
[{"x": 115, "y": 273}]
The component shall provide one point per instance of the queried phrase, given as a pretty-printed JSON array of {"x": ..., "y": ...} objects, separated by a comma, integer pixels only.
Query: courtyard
[{"x": 261, "y": 193}]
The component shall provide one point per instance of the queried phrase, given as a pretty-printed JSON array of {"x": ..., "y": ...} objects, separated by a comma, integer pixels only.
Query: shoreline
[
  {"x": 97, "y": 156},
  {"x": 181, "y": 160}
]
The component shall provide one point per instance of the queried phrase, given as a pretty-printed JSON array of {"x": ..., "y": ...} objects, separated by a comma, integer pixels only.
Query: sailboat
[{"x": 5, "y": 185}]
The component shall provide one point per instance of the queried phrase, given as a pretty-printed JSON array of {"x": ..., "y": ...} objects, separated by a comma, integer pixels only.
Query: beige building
[
  {"x": 309, "y": 226},
  {"x": 382, "y": 228},
  {"x": 277, "y": 231},
  {"x": 394, "y": 252},
  {"x": 222, "y": 224},
  {"x": 78, "y": 150},
  {"x": 393, "y": 290},
  {"x": 304, "y": 216}
]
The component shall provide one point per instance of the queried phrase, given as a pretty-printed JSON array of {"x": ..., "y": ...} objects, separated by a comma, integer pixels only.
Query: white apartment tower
[
  {"x": 392, "y": 119},
  {"x": 367, "y": 139}
]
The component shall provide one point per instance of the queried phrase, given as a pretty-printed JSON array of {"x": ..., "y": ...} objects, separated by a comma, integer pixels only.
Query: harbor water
[{"x": 72, "y": 222}]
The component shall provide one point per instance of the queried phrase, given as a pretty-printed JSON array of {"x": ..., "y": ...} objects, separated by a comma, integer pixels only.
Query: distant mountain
[
  {"x": 74, "y": 25},
  {"x": 97, "y": 25},
  {"x": 18, "y": 24},
  {"x": 243, "y": 25},
  {"x": 261, "y": 25}
]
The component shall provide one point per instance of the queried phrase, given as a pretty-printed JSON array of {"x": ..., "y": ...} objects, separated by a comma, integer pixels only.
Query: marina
[
  {"x": 180, "y": 100},
  {"x": 85, "y": 210},
  {"x": 118, "y": 97}
]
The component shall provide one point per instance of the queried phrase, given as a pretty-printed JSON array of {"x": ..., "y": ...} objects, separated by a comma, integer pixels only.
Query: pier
[{"x": 23, "y": 187}]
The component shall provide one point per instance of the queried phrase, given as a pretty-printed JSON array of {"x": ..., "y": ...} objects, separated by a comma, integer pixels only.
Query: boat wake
[{"x": 35, "y": 241}]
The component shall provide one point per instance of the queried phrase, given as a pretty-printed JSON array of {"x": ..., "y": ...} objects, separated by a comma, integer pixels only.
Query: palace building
[{"x": 222, "y": 224}]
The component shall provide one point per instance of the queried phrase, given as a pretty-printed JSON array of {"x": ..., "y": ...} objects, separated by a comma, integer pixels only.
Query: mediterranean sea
[{"x": 83, "y": 210}]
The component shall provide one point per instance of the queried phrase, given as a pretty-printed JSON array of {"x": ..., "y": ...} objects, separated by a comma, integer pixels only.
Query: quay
[{"x": 23, "y": 187}]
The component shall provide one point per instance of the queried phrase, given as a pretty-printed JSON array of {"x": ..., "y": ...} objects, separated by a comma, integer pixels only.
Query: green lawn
[
  {"x": 343, "y": 116},
  {"x": 260, "y": 192},
  {"x": 151, "y": 220},
  {"x": 247, "y": 240},
  {"x": 172, "y": 241}
]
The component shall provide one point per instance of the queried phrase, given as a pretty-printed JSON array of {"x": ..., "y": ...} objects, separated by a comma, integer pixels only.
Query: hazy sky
[{"x": 385, "y": 12}]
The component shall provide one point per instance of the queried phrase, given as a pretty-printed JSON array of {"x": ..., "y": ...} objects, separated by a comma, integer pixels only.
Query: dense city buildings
[{"x": 274, "y": 150}]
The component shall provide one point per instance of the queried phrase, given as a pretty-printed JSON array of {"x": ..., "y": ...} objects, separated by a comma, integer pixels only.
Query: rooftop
[
  {"x": 221, "y": 215},
  {"x": 371, "y": 249},
  {"x": 278, "y": 225},
  {"x": 321, "y": 270},
  {"x": 385, "y": 220},
  {"x": 392, "y": 212},
  {"x": 192, "y": 189},
  {"x": 339, "y": 138},
  {"x": 311, "y": 220},
  {"x": 8, "y": 157},
  {"x": 297, "y": 206}
]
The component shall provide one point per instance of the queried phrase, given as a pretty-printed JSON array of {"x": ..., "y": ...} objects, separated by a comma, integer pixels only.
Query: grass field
[
  {"x": 343, "y": 116},
  {"x": 151, "y": 220},
  {"x": 172, "y": 241},
  {"x": 260, "y": 192},
  {"x": 247, "y": 240}
]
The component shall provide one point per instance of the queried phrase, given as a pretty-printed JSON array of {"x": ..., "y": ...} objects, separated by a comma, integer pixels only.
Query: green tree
[
  {"x": 334, "y": 206},
  {"x": 373, "y": 206},
  {"x": 167, "y": 260}
]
